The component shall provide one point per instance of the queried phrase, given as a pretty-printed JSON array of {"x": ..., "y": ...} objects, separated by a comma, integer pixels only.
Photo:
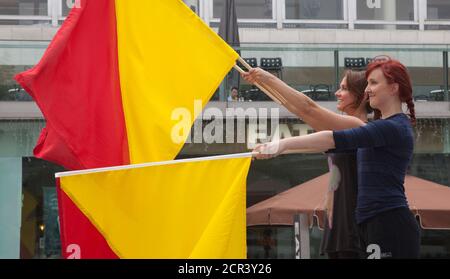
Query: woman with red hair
[
  {"x": 340, "y": 238},
  {"x": 384, "y": 151}
]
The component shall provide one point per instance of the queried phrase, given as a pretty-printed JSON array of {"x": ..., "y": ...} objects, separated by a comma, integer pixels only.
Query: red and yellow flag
[
  {"x": 181, "y": 209},
  {"x": 108, "y": 84}
]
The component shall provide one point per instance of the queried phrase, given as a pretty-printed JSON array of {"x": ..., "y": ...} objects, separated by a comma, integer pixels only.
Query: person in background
[{"x": 234, "y": 94}]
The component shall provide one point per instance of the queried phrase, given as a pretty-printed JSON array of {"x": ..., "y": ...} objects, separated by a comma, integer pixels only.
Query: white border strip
[
  {"x": 316, "y": 21},
  {"x": 136, "y": 166},
  {"x": 29, "y": 17},
  {"x": 386, "y": 22}
]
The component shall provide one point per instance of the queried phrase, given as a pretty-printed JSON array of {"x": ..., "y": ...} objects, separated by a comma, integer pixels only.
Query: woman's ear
[{"x": 395, "y": 89}]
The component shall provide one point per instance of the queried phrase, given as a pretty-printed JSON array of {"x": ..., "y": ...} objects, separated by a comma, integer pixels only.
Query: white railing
[{"x": 349, "y": 16}]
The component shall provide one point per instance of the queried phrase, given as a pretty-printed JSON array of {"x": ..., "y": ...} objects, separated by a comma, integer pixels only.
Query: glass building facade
[{"x": 351, "y": 14}]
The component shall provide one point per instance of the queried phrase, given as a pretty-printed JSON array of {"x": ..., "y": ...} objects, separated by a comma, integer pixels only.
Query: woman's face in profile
[
  {"x": 378, "y": 89},
  {"x": 345, "y": 99}
]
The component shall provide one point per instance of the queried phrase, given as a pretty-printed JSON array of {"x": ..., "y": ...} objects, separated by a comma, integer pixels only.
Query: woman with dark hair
[
  {"x": 340, "y": 236},
  {"x": 340, "y": 239},
  {"x": 384, "y": 151}
]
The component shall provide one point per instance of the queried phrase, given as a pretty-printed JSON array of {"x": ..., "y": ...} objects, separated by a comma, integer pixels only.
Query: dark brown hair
[{"x": 357, "y": 83}]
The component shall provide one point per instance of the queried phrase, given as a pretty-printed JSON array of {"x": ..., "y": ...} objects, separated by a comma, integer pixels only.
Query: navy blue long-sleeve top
[{"x": 385, "y": 148}]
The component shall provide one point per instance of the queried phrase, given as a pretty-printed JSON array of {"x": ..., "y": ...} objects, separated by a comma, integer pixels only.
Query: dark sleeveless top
[{"x": 343, "y": 234}]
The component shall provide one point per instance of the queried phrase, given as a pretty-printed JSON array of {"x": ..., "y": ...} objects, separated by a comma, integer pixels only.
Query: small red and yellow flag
[{"x": 183, "y": 209}]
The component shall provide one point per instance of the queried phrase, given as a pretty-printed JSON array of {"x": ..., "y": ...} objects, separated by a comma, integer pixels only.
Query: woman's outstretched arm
[
  {"x": 319, "y": 118},
  {"x": 374, "y": 134},
  {"x": 320, "y": 141}
]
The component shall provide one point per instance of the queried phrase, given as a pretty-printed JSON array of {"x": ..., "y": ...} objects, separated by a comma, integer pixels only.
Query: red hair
[{"x": 395, "y": 72}]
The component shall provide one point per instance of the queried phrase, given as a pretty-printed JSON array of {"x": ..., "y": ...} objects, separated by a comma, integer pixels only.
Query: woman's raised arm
[{"x": 319, "y": 118}]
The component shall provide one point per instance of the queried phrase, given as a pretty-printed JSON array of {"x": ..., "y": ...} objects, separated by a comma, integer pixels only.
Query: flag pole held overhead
[
  {"x": 272, "y": 93},
  {"x": 275, "y": 99}
]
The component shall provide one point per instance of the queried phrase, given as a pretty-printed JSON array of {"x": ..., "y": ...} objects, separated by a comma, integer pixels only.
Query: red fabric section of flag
[
  {"x": 49, "y": 147},
  {"x": 76, "y": 86},
  {"x": 82, "y": 240}
]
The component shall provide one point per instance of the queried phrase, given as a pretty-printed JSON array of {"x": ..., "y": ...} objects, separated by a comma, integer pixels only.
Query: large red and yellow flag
[
  {"x": 108, "y": 84},
  {"x": 182, "y": 209},
  {"x": 112, "y": 76}
]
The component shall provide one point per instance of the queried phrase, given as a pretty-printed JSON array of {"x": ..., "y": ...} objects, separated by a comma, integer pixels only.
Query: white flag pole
[
  {"x": 264, "y": 87},
  {"x": 136, "y": 166},
  {"x": 199, "y": 159}
]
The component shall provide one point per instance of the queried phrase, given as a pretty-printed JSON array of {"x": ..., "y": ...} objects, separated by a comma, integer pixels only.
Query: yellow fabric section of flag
[
  {"x": 167, "y": 58},
  {"x": 178, "y": 210}
]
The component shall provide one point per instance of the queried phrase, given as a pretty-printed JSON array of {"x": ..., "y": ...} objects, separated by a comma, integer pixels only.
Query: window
[
  {"x": 438, "y": 9},
  {"x": 67, "y": 5},
  {"x": 9, "y": 89},
  {"x": 23, "y": 7},
  {"x": 425, "y": 68},
  {"x": 314, "y": 9},
  {"x": 247, "y": 9},
  {"x": 16, "y": 57},
  {"x": 270, "y": 242},
  {"x": 39, "y": 238},
  {"x": 65, "y": 8},
  {"x": 193, "y": 4},
  {"x": 18, "y": 138},
  {"x": 385, "y": 10}
]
